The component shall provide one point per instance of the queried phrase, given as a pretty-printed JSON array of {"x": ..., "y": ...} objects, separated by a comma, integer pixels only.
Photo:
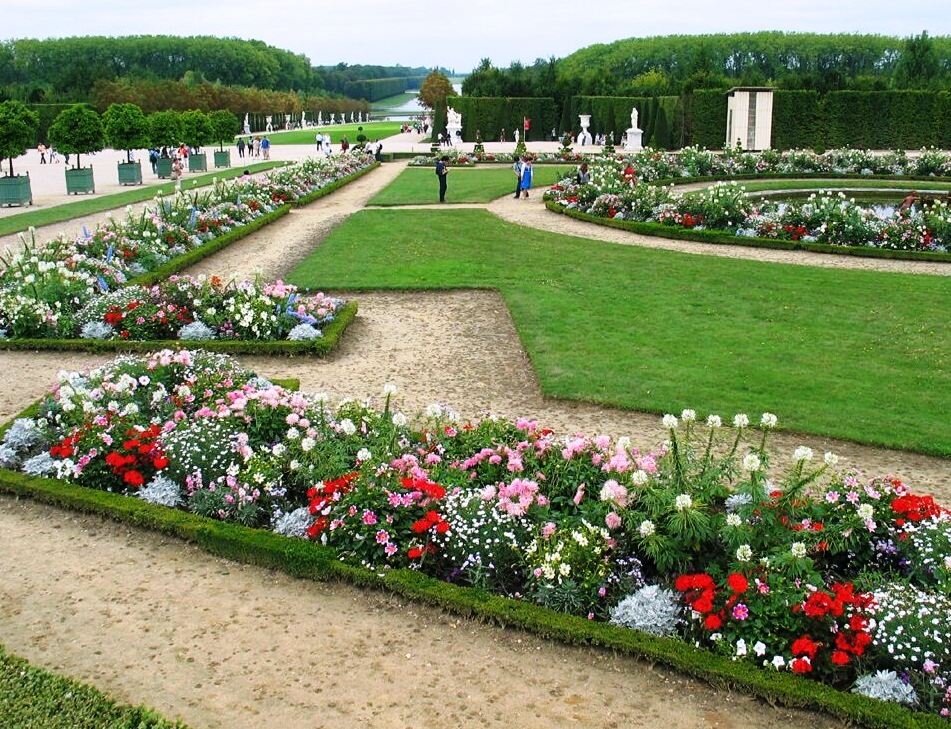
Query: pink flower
[
  {"x": 612, "y": 521},
  {"x": 548, "y": 529},
  {"x": 740, "y": 612},
  {"x": 579, "y": 494},
  {"x": 382, "y": 537}
]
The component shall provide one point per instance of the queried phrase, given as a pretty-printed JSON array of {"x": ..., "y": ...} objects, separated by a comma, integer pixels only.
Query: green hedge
[
  {"x": 796, "y": 120},
  {"x": 304, "y": 559},
  {"x": 490, "y": 115}
]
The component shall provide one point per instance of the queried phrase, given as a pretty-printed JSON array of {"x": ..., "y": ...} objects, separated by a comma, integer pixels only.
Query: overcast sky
[{"x": 457, "y": 34}]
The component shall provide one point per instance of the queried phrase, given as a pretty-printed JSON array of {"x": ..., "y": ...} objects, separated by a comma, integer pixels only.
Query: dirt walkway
[{"x": 151, "y": 620}]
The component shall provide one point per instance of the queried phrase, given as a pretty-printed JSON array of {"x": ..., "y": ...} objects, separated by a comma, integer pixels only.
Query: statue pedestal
[
  {"x": 632, "y": 140},
  {"x": 455, "y": 132}
]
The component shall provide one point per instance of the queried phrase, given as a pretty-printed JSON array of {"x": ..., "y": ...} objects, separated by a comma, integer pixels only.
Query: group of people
[
  {"x": 255, "y": 146},
  {"x": 44, "y": 150},
  {"x": 523, "y": 175}
]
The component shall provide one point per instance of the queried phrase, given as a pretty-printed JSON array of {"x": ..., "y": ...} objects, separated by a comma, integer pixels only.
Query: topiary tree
[
  {"x": 165, "y": 128},
  {"x": 196, "y": 128},
  {"x": 18, "y": 126},
  {"x": 224, "y": 126},
  {"x": 77, "y": 130},
  {"x": 126, "y": 128}
]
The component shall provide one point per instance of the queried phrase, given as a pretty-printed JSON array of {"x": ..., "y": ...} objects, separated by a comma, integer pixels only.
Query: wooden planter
[
  {"x": 198, "y": 162},
  {"x": 163, "y": 167},
  {"x": 223, "y": 158},
  {"x": 16, "y": 190},
  {"x": 130, "y": 173},
  {"x": 80, "y": 180}
]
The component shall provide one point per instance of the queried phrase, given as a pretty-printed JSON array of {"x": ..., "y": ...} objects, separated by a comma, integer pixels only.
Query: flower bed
[
  {"x": 814, "y": 572},
  {"x": 52, "y": 291},
  {"x": 826, "y": 219}
]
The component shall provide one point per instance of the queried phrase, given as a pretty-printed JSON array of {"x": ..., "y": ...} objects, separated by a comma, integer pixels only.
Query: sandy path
[{"x": 153, "y": 621}]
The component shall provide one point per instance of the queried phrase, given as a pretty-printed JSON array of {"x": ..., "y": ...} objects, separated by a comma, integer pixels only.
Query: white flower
[
  {"x": 688, "y": 416},
  {"x": 399, "y": 420},
  {"x": 640, "y": 477},
  {"x": 741, "y": 421},
  {"x": 307, "y": 444},
  {"x": 363, "y": 455},
  {"x": 733, "y": 520},
  {"x": 741, "y": 647},
  {"x": 670, "y": 421},
  {"x": 768, "y": 420},
  {"x": 347, "y": 426},
  {"x": 778, "y": 662},
  {"x": 744, "y": 553},
  {"x": 802, "y": 453},
  {"x": 798, "y": 550},
  {"x": 831, "y": 459},
  {"x": 683, "y": 501},
  {"x": 646, "y": 528},
  {"x": 865, "y": 512},
  {"x": 714, "y": 421},
  {"x": 759, "y": 648},
  {"x": 389, "y": 389},
  {"x": 752, "y": 463}
]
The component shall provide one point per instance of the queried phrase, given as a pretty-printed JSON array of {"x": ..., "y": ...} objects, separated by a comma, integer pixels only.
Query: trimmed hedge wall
[{"x": 490, "y": 115}]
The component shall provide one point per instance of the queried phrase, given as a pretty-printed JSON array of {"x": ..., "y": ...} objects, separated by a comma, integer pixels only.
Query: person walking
[
  {"x": 517, "y": 166},
  {"x": 526, "y": 175},
  {"x": 240, "y": 147},
  {"x": 266, "y": 148},
  {"x": 442, "y": 171}
]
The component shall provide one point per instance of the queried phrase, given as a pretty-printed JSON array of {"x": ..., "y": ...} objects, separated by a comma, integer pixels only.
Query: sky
[{"x": 458, "y": 34}]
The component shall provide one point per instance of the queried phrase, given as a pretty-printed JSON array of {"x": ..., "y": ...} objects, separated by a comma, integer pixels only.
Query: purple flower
[{"x": 740, "y": 611}]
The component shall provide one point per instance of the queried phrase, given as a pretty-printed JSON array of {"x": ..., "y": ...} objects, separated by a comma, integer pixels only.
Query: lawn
[
  {"x": 373, "y": 130},
  {"x": 418, "y": 185},
  {"x": 860, "y": 355}
]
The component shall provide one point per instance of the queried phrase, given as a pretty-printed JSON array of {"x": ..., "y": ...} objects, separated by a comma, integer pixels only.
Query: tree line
[{"x": 679, "y": 64}]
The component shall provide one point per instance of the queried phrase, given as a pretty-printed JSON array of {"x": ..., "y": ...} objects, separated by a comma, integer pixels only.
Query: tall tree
[
  {"x": 919, "y": 65},
  {"x": 435, "y": 90},
  {"x": 77, "y": 130},
  {"x": 18, "y": 125}
]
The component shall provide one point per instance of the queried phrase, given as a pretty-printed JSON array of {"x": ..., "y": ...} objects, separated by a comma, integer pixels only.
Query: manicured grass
[
  {"x": 373, "y": 130},
  {"x": 418, "y": 185},
  {"x": 392, "y": 102},
  {"x": 860, "y": 355},
  {"x": 99, "y": 203},
  {"x": 34, "y": 697}
]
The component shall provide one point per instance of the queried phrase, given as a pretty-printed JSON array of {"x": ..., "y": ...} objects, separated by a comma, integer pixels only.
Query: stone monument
[
  {"x": 584, "y": 137},
  {"x": 268, "y": 127},
  {"x": 247, "y": 124},
  {"x": 453, "y": 124},
  {"x": 634, "y": 135}
]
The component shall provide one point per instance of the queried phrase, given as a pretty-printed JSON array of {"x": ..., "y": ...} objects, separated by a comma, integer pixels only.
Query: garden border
[{"x": 307, "y": 560}]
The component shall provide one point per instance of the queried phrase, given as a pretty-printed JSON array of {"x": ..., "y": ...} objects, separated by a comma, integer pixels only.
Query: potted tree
[
  {"x": 126, "y": 128},
  {"x": 196, "y": 131},
  {"x": 165, "y": 131},
  {"x": 224, "y": 125},
  {"x": 77, "y": 131},
  {"x": 18, "y": 126}
]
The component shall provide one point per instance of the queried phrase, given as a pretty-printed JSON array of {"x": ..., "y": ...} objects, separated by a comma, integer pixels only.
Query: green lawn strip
[
  {"x": 726, "y": 237},
  {"x": 91, "y": 205},
  {"x": 372, "y": 130},
  {"x": 392, "y": 102},
  {"x": 419, "y": 186},
  {"x": 858, "y": 355},
  {"x": 34, "y": 697},
  {"x": 308, "y": 560}
]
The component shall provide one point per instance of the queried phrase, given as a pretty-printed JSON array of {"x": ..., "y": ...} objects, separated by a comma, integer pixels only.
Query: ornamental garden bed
[
  {"x": 649, "y": 551},
  {"x": 825, "y": 222}
]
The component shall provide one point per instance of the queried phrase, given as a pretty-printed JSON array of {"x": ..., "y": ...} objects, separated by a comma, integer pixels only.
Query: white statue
[
  {"x": 320, "y": 118},
  {"x": 516, "y": 136},
  {"x": 303, "y": 120},
  {"x": 333, "y": 118},
  {"x": 267, "y": 124},
  {"x": 247, "y": 124},
  {"x": 453, "y": 117},
  {"x": 634, "y": 118}
]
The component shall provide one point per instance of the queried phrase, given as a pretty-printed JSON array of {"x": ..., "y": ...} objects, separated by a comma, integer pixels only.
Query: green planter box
[
  {"x": 163, "y": 167},
  {"x": 223, "y": 158},
  {"x": 16, "y": 190},
  {"x": 198, "y": 162},
  {"x": 80, "y": 180},
  {"x": 130, "y": 173}
]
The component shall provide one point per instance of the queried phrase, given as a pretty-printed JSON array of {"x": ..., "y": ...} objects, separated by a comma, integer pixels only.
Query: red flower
[
  {"x": 839, "y": 658},
  {"x": 804, "y": 646},
  {"x": 703, "y": 604},
  {"x": 133, "y": 478},
  {"x": 414, "y": 553},
  {"x": 737, "y": 583},
  {"x": 801, "y": 665},
  {"x": 713, "y": 622}
]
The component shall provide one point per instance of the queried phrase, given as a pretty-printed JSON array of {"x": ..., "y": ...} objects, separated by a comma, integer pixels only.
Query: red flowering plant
[
  {"x": 781, "y": 622},
  {"x": 379, "y": 519}
]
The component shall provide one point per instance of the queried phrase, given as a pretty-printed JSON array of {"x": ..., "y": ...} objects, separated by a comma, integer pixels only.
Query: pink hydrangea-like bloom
[
  {"x": 548, "y": 529},
  {"x": 612, "y": 521}
]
